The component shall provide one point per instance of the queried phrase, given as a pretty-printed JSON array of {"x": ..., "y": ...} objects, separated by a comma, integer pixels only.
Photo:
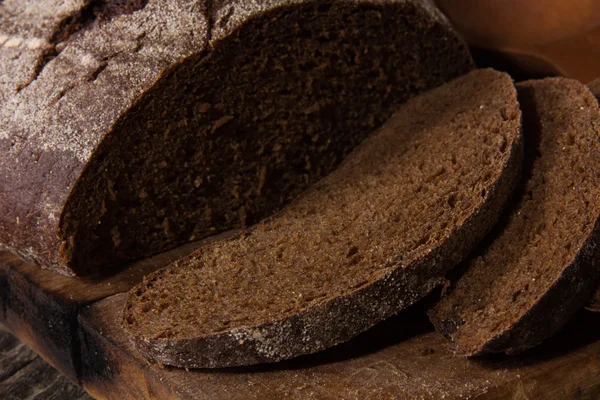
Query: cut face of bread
[
  {"x": 370, "y": 239},
  {"x": 542, "y": 264},
  {"x": 141, "y": 125}
]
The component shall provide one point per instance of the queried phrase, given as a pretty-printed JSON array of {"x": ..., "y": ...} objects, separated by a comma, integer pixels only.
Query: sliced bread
[
  {"x": 370, "y": 239},
  {"x": 128, "y": 127},
  {"x": 542, "y": 264}
]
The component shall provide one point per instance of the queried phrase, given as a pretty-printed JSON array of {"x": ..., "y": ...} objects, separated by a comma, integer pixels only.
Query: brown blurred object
[{"x": 540, "y": 37}]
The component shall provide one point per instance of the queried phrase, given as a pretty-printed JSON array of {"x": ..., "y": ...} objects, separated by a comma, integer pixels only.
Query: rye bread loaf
[
  {"x": 594, "y": 303},
  {"x": 131, "y": 126},
  {"x": 370, "y": 239},
  {"x": 542, "y": 264}
]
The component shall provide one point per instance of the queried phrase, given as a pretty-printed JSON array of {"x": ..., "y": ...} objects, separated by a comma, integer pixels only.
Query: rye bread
[
  {"x": 370, "y": 239},
  {"x": 594, "y": 303},
  {"x": 542, "y": 265},
  {"x": 131, "y": 126}
]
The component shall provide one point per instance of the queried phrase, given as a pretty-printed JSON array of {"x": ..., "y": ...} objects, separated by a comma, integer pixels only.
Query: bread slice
[
  {"x": 370, "y": 239},
  {"x": 129, "y": 127},
  {"x": 594, "y": 303},
  {"x": 542, "y": 264}
]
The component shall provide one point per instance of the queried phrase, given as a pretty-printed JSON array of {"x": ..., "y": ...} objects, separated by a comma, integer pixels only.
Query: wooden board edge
[
  {"x": 109, "y": 372},
  {"x": 566, "y": 368},
  {"x": 49, "y": 327}
]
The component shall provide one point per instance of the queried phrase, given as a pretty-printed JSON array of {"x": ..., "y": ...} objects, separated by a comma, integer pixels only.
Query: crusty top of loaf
[
  {"x": 24, "y": 39},
  {"x": 62, "y": 104},
  {"x": 49, "y": 101}
]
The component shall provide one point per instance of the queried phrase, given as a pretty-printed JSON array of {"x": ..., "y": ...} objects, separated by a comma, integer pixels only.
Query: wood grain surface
[
  {"x": 25, "y": 375},
  {"x": 398, "y": 359},
  {"x": 41, "y": 307}
]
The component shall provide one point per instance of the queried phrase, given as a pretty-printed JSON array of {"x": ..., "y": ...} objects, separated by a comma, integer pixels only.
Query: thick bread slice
[
  {"x": 370, "y": 239},
  {"x": 594, "y": 303},
  {"x": 130, "y": 127},
  {"x": 542, "y": 264}
]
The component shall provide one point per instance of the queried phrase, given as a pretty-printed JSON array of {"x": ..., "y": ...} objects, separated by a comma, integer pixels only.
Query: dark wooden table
[{"x": 25, "y": 375}]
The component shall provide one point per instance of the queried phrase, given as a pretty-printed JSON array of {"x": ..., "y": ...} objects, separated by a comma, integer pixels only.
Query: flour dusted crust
[
  {"x": 130, "y": 127},
  {"x": 370, "y": 239}
]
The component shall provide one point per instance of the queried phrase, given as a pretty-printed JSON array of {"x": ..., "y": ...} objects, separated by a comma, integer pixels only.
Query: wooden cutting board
[
  {"x": 400, "y": 358},
  {"x": 24, "y": 375}
]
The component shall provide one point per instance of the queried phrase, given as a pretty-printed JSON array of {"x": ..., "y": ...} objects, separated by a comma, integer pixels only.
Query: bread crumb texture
[
  {"x": 366, "y": 241},
  {"x": 542, "y": 262},
  {"x": 169, "y": 121}
]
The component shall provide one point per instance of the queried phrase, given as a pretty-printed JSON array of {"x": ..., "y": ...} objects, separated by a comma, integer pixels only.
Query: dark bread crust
[
  {"x": 98, "y": 82},
  {"x": 594, "y": 303},
  {"x": 76, "y": 85},
  {"x": 337, "y": 319},
  {"x": 571, "y": 284}
]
